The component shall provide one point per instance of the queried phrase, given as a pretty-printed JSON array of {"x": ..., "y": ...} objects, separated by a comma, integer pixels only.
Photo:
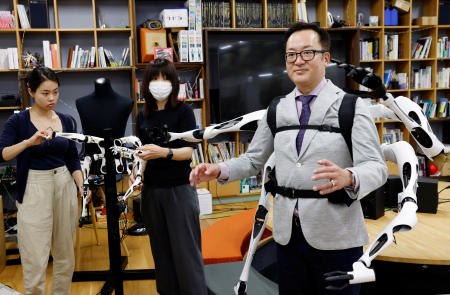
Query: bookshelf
[{"x": 407, "y": 34}]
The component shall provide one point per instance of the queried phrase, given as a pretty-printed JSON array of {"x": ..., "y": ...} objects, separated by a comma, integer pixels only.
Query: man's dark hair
[{"x": 324, "y": 37}]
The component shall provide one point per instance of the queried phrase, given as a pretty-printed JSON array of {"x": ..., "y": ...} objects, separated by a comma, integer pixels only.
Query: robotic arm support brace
[{"x": 403, "y": 154}]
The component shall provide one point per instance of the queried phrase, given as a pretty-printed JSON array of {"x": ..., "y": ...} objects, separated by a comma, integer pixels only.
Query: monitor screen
[{"x": 246, "y": 71}]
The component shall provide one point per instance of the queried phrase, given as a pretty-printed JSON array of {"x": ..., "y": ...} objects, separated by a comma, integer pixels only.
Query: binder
[{"x": 39, "y": 14}]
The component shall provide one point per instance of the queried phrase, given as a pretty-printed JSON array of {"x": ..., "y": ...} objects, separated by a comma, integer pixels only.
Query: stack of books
[
  {"x": 80, "y": 58},
  {"x": 442, "y": 47},
  {"x": 391, "y": 46},
  {"x": 443, "y": 78},
  {"x": 216, "y": 13},
  {"x": 9, "y": 59},
  {"x": 7, "y": 20},
  {"x": 421, "y": 47}
]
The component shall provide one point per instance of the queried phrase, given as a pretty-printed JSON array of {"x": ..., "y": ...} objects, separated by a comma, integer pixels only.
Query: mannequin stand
[{"x": 116, "y": 274}]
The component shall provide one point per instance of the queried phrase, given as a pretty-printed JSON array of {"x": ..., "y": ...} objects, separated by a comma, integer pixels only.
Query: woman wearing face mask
[
  {"x": 46, "y": 192},
  {"x": 169, "y": 208}
]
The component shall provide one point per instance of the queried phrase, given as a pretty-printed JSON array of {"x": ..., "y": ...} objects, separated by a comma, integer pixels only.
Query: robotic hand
[
  {"x": 403, "y": 154},
  {"x": 364, "y": 77},
  {"x": 137, "y": 163}
]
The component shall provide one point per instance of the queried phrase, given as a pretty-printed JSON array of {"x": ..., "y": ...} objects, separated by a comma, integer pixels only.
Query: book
[
  {"x": 39, "y": 14},
  {"x": 24, "y": 23}
]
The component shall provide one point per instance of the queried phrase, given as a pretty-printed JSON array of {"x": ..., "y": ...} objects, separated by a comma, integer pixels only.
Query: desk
[{"x": 427, "y": 243}]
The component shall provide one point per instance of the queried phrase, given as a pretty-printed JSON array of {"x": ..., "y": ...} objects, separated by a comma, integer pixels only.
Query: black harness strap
[
  {"x": 324, "y": 128},
  {"x": 346, "y": 115},
  {"x": 337, "y": 197}
]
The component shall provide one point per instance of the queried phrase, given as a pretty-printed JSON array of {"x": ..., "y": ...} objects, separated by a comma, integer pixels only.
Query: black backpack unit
[{"x": 345, "y": 116}]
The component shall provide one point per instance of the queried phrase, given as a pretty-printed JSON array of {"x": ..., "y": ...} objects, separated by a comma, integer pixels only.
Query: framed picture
[{"x": 166, "y": 53}]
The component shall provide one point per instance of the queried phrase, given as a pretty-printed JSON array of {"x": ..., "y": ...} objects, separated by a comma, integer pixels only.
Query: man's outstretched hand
[{"x": 204, "y": 172}]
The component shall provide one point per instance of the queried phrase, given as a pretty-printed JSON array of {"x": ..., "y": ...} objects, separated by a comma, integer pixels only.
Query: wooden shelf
[
  {"x": 421, "y": 89},
  {"x": 96, "y": 69},
  {"x": 7, "y": 31},
  {"x": 422, "y": 59},
  {"x": 397, "y": 90},
  {"x": 10, "y": 108},
  {"x": 372, "y": 60},
  {"x": 193, "y": 99},
  {"x": 113, "y": 30},
  {"x": 251, "y": 193},
  {"x": 86, "y": 30},
  {"x": 9, "y": 71},
  {"x": 396, "y": 60},
  {"x": 396, "y": 27},
  {"x": 370, "y": 28},
  {"x": 37, "y": 30},
  {"x": 178, "y": 65}
]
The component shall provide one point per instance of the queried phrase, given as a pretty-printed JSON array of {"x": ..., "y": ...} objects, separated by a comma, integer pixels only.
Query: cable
[{"x": 448, "y": 186}]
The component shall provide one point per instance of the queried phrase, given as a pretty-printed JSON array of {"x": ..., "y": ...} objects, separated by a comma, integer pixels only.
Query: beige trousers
[{"x": 46, "y": 221}]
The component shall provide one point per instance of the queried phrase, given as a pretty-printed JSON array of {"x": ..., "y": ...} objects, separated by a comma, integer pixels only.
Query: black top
[
  {"x": 162, "y": 172},
  {"x": 104, "y": 109}
]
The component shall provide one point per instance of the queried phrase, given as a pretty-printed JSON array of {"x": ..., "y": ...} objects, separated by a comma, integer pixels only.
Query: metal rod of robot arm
[
  {"x": 214, "y": 130},
  {"x": 403, "y": 154},
  {"x": 259, "y": 225},
  {"x": 85, "y": 167},
  {"x": 80, "y": 138}
]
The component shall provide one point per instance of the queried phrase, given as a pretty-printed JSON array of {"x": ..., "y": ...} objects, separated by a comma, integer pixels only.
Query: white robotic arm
[
  {"x": 410, "y": 114},
  {"x": 258, "y": 228},
  {"x": 237, "y": 124}
]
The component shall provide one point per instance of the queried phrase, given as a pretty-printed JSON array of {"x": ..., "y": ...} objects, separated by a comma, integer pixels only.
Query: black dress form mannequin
[{"x": 103, "y": 109}]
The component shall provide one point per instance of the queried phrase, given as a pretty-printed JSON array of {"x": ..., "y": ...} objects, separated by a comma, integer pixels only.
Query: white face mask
[{"x": 160, "y": 89}]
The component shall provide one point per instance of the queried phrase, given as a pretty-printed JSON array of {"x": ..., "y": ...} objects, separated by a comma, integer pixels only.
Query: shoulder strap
[
  {"x": 272, "y": 114},
  {"x": 346, "y": 116}
]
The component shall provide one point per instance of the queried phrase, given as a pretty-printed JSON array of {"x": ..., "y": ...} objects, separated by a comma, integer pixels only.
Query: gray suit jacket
[{"x": 326, "y": 226}]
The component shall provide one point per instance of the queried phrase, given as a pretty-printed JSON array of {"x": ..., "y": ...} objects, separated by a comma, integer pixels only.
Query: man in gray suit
[{"x": 317, "y": 234}]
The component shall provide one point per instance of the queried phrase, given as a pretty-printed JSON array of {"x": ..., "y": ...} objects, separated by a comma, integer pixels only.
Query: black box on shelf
[
  {"x": 373, "y": 204},
  {"x": 444, "y": 13},
  {"x": 427, "y": 195},
  {"x": 39, "y": 14},
  {"x": 392, "y": 187}
]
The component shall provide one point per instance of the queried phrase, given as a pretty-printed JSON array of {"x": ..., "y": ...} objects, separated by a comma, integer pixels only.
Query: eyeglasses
[{"x": 306, "y": 55}]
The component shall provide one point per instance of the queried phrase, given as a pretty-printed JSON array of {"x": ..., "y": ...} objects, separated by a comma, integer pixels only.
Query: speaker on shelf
[
  {"x": 373, "y": 204},
  {"x": 392, "y": 187},
  {"x": 427, "y": 195}
]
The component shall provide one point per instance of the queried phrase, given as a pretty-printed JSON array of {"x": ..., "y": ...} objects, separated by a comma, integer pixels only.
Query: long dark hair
[
  {"x": 39, "y": 75},
  {"x": 164, "y": 67}
]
